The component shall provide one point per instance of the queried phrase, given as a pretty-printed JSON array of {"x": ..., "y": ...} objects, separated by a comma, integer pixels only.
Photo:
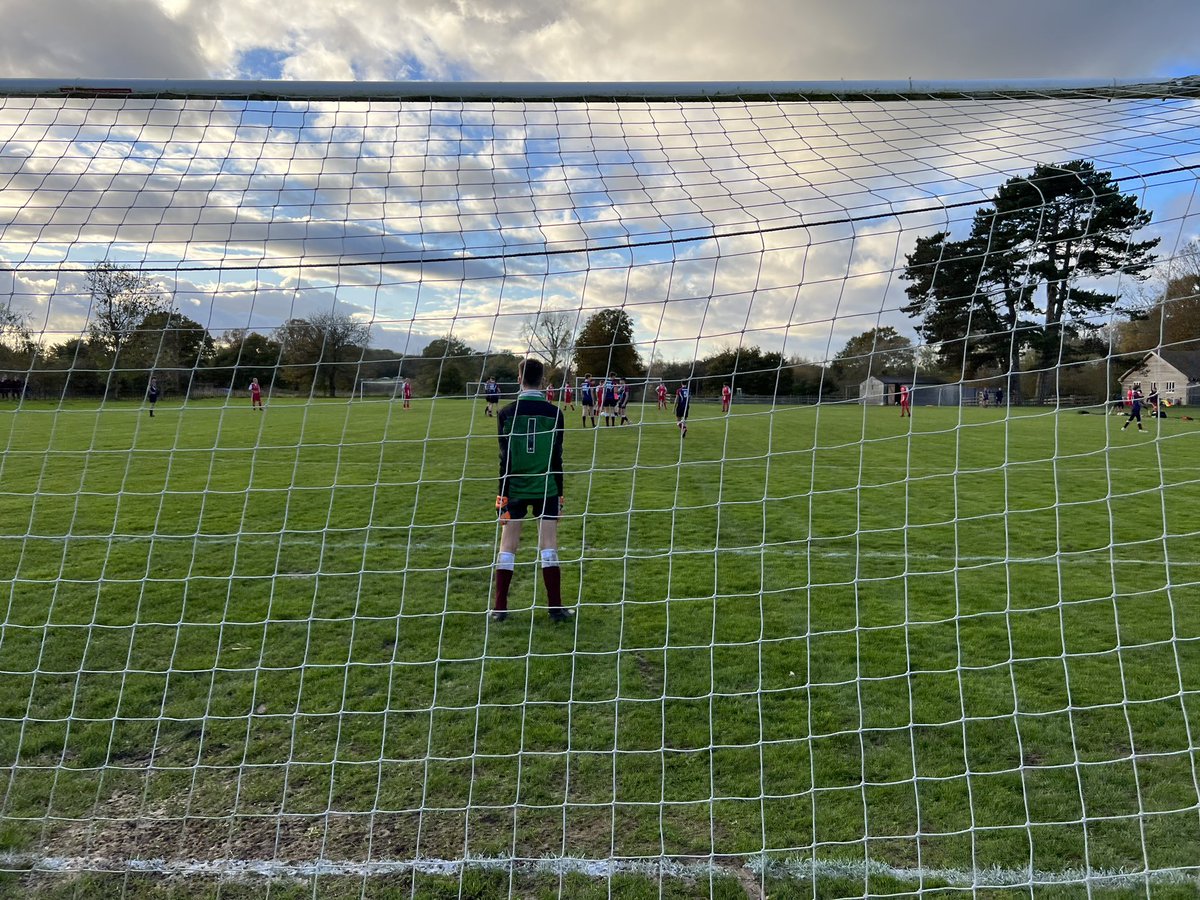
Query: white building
[
  {"x": 1175, "y": 374},
  {"x": 884, "y": 390}
]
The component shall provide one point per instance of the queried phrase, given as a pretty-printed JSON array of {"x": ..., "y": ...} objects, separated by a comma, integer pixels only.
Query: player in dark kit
[
  {"x": 531, "y": 483},
  {"x": 1135, "y": 408},
  {"x": 587, "y": 400},
  {"x": 152, "y": 395},
  {"x": 491, "y": 393},
  {"x": 623, "y": 401},
  {"x": 608, "y": 401},
  {"x": 682, "y": 400}
]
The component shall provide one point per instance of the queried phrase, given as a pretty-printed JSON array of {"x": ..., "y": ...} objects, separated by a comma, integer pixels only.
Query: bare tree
[
  {"x": 122, "y": 298},
  {"x": 553, "y": 336},
  {"x": 14, "y": 331}
]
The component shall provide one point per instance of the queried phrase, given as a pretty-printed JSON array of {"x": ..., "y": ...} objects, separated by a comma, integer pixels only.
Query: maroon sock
[
  {"x": 552, "y": 576},
  {"x": 503, "y": 580}
]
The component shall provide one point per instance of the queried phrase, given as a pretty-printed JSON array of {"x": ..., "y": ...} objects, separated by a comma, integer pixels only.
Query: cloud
[
  {"x": 225, "y": 184},
  {"x": 81, "y": 38},
  {"x": 599, "y": 40}
]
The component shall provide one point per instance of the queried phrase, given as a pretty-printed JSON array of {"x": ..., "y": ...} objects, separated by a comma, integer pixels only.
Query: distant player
[
  {"x": 568, "y": 395},
  {"x": 726, "y": 398},
  {"x": 608, "y": 407},
  {"x": 682, "y": 401},
  {"x": 531, "y": 433},
  {"x": 491, "y": 394},
  {"x": 551, "y": 397},
  {"x": 587, "y": 400},
  {"x": 255, "y": 394},
  {"x": 1135, "y": 407},
  {"x": 999, "y": 396},
  {"x": 1153, "y": 402},
  {"x": 905, "y": 402},
  {"x": 152, "y": 394},
  {"x": 662, "y": 395},
  {"x": 407, "y": 394},
  {"x": 623, "y": 401},
  {"x": 984, "y": 396}
]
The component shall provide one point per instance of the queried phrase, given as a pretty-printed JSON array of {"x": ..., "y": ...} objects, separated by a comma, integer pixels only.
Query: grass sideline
[{"x": 927, "y": 646}]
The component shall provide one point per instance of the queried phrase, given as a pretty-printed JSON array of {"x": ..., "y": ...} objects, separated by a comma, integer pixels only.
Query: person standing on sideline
[
  {"x": 407, "y": 394},
  {"x": 531, "y": 433},
  {"x": 255, "y": 394},
  {"x": 905, "y": 402},
  {"x": 152, "y": 394},
  {"x": 726, "y": 397},
  {"x": 1135, "y": 407}
]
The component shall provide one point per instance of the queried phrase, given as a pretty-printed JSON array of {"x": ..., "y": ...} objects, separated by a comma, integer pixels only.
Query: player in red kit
[
  {"x": 550, "y": 395},
  {"x": 662, "y": 395},
  {"x": 407, "y": 394},
  {"x": 905, "y": 402},
  {"x": 726, "y": 398},
  {"x": 569, "y": 396},
  {"x": 255, "y": 394}
]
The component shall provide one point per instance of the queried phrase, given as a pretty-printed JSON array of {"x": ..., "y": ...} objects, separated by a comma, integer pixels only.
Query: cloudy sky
[
  {"x": 198, "y": 189},
  {"x": 605, "y": 40}
]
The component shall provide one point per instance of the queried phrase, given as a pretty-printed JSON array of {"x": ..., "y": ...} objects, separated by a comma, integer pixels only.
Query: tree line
[{"x": 1034, "y": 285}]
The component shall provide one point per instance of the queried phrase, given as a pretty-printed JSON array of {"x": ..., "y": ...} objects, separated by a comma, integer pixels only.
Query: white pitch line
[
  {"x": 806, "y": 869},
  {"x": 593, "y": 552}
]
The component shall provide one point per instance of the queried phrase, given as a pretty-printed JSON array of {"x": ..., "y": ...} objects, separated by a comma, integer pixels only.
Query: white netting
[{"x": 820, "y": 646}]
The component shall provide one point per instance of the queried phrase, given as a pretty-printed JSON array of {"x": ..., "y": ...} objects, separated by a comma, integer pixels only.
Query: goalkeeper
[{"x": 531, "y": 483}]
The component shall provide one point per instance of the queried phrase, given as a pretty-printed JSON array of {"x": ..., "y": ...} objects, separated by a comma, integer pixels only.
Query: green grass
[{"x": 967, "y": 641}]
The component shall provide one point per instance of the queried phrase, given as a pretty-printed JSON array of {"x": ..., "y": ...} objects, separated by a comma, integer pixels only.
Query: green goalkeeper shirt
[{"x": 531, "y": 448}]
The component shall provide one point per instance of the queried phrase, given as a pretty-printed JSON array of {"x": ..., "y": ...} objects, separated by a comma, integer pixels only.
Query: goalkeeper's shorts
[{"x": 540, "y": 508}]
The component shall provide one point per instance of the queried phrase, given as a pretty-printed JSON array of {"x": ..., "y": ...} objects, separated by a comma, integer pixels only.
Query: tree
[
  {"x": 879, "y": 351},
  {"x": 320, "y": 347},
  {"x": 450, "y": 364},
  {"x": 17, "y": 346},
  {"x": 1041, "y": 248},
  {"x": 551, "y": 335},
  {"x": 121, "y": 298},
  {"x": 1171, "y": 318},
  {"x": 749, "y": 369},
  {"x": 244, "y": 355},
  {"x": 605, "y": 344},
  {"x": 167, "y": 341},
  {"x": 15, "y": 335}
]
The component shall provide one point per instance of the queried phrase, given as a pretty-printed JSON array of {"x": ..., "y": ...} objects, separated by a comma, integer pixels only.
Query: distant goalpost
[{"x": 826, "y": 649}]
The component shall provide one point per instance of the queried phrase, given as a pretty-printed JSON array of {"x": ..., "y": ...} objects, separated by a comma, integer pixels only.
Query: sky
[{"x": 184, "y": 189}]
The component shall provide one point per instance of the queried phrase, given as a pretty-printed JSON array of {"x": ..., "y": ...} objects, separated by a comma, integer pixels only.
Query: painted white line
[
  {"x": 257, "y": 540},
  {"x": 807, "y": 869}
]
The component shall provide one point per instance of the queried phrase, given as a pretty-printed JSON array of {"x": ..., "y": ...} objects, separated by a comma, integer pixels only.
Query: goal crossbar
[{"x": 598, "y": 91}]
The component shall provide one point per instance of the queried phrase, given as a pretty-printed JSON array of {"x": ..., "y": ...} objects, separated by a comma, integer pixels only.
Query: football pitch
[{"x": 819, "y": 651}]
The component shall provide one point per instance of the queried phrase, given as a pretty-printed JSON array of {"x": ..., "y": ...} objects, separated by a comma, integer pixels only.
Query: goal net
[{"x": 922, "y": 617}]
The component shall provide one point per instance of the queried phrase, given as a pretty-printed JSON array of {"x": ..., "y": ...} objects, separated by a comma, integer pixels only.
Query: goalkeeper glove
[{"x": 502, "y": 507}]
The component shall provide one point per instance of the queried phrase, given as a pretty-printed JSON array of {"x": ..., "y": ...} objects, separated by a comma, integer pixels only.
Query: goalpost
[{"x": 833, "y": 649}]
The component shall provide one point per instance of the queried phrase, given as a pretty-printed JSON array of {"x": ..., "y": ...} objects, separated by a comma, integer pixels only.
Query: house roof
[
  {"x": 907, "y": 379},
  {"x": 1186, "y": 361}
]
